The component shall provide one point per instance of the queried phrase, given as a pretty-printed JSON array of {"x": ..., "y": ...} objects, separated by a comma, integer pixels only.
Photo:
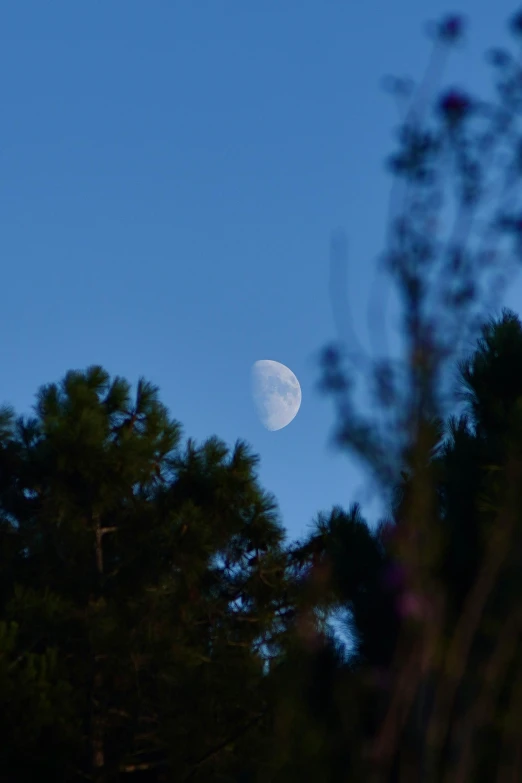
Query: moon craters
[{"x": 276, "y": 393}]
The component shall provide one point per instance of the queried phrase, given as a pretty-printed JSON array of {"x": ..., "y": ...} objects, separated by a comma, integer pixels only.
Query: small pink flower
[{"x": 411, "y": 605}]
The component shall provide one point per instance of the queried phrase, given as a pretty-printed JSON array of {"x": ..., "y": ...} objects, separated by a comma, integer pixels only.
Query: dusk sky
[{"x": 170, "y": 177}]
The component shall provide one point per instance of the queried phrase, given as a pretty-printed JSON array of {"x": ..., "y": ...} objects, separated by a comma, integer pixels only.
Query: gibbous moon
[{"x": 276, "y": 393}]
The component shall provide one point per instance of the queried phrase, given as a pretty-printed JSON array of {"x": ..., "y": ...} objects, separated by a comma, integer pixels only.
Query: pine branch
[{"x": 141, "y": 767}]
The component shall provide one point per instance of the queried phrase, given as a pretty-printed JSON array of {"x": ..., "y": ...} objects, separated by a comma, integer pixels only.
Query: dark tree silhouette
[{"x": 143, "y": 586}]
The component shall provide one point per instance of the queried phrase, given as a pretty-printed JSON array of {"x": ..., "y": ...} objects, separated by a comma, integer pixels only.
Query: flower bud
[
  {"x": 451, "y": 28},
  {"x": 454, "y": 105}
]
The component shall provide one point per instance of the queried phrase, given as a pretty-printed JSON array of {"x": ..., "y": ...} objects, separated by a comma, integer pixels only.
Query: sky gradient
[{"x": 170, "y": 177}]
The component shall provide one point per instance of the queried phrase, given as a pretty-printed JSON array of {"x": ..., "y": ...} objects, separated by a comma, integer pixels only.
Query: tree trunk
[{"x": 99, "y": 774}]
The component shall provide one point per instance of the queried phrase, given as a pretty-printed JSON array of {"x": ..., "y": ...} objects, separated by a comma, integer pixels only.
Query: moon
[{"x": 276, "y": 393}]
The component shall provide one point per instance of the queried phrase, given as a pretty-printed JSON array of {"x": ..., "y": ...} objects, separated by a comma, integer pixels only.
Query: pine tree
[{"x": 145, "y": 585}]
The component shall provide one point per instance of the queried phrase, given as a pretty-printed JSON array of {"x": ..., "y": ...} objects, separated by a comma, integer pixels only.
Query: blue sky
[{"x": 170, "y": 176}]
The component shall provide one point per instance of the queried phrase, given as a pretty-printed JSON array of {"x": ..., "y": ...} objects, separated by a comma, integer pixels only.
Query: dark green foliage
[{"x": 143, "y": 585}]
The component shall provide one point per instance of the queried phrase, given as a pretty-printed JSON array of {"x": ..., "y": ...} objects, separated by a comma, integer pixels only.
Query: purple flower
[
  {"x": 411, "y": 605},
  {"x": 451, "y": 28},
  {"x": 454, "y": 105}
]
